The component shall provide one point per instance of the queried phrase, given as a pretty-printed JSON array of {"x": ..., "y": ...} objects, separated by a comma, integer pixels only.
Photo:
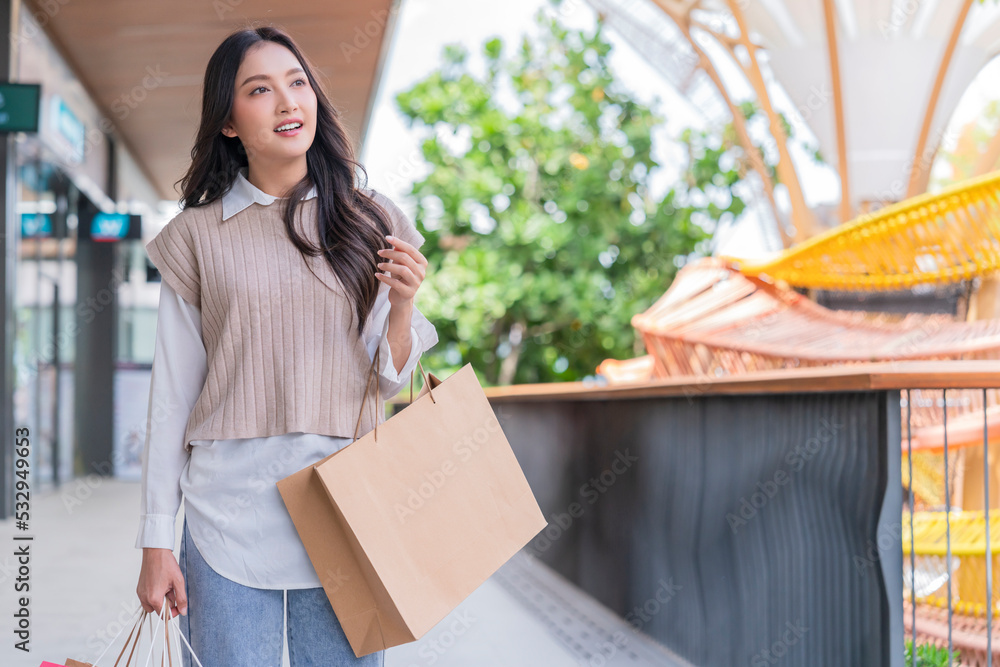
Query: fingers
[
  {"x": 407, "y": 291},
  {"x": 176, "y": 594},
  {"x": 401, "y": 272},
  {"x": 177, "y": 597},
  {"x": 402, "y": 246},
  {"x": 180, "y": 595},
  {"x": 404, "y": 253},
  {"x": 171, "y": 596},
  {"x": 148, "y": 606},
  {"x": 406, "y": 268},
  {"x": 145, "y": 599}
]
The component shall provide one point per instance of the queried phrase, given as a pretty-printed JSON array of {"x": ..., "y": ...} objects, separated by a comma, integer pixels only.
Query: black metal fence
[{"x": 760, "y": 527}]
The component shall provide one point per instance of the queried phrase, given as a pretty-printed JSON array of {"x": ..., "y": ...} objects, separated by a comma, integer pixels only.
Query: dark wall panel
[{"x": 737, "y": 530}]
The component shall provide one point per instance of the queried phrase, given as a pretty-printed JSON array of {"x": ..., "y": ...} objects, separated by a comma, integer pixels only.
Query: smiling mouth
[{"x": 288, "y": 127}]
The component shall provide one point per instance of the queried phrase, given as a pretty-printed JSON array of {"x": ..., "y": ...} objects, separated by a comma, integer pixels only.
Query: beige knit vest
[{"x": 282, "y": 347}]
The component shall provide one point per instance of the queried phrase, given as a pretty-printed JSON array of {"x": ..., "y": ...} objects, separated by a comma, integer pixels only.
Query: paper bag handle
[
  {"x": 143, "y": 614},
  {"x": 166, "y": 618},
  {"x": 378, "y": 392}
]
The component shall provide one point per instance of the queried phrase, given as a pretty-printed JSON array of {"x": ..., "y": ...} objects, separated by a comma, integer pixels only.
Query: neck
[{"x": 277, "y": 179}]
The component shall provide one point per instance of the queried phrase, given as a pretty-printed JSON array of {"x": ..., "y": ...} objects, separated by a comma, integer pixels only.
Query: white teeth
[{"x": 288, "y": 126}]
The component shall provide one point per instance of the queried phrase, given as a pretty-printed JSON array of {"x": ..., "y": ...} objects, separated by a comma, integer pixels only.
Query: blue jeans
[{"x": 232, "y": 625}]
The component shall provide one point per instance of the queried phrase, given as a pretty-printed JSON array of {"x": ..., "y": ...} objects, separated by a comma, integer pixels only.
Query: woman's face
[{"x": 272, "y": 90}]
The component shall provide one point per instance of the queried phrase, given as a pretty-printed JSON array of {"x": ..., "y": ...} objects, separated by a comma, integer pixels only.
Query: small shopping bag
[
  {"x": 405, "y": 522},
  {"x": 132, "y": 643}
]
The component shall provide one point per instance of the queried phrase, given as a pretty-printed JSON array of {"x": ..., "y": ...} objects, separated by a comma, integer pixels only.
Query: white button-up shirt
[{"x": 234, "y": 511}]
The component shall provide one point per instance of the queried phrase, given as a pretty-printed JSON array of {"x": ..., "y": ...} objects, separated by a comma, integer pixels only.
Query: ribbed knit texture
[{"x": 282, "y": 347}]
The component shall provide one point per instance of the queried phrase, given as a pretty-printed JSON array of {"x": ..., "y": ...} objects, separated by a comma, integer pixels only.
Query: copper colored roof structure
[{"x": 715, "y": 321}]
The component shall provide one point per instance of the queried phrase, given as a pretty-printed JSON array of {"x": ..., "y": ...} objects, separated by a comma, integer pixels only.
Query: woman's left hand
[{"x": 407, "y": 267}]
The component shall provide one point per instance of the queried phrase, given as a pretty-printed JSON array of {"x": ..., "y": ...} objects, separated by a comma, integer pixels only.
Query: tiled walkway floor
[{"x": 84, "y": 570}]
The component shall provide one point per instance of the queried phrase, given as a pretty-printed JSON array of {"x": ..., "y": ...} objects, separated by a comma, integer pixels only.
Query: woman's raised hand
[{"x": 408, "y": 268}]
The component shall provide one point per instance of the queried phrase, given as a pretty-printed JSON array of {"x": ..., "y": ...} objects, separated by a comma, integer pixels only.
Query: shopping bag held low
[
  {"x": 405, "y": 522},
  {"x": 166, "y": 643}
]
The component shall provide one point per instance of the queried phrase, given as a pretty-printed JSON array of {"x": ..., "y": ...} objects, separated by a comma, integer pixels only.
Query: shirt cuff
[
  {"x": 423, "y": 336},
  {"x": 424, "y": 328},
  {"x": 388, "y": 370},
  {"x": 156, "y": 531}
]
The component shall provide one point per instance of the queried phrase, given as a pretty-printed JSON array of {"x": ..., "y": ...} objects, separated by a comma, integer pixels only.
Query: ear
[{"x": 229, "y": 131}]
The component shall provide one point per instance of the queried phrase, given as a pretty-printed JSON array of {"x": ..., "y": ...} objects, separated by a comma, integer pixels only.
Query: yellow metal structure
[
  {"x": 931, "y": 238},
  {"x": 928, "y": 476},
  {"x": 968, "y": 550}
]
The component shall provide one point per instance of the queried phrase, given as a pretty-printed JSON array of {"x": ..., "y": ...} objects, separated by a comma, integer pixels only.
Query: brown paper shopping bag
[{"x": 408, "y": 520}]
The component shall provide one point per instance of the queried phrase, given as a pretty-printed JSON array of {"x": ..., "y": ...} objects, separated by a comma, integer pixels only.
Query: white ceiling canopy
[
  {"x": 903, "y": 66},
  {"x": 890, "y": 55}
]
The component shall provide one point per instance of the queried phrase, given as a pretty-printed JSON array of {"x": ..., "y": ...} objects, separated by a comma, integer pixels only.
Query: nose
[{"x": 287, "y": 101}]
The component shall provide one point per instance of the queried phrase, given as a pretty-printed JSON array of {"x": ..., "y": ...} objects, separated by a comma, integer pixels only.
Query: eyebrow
[{"x": 265, "y": 77}]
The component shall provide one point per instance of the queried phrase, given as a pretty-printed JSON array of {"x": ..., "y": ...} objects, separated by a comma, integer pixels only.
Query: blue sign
[
  {"x": 69, "y": 127},
  {"x": 113, "y": 226},
  {"x": 36, "y": 224}
]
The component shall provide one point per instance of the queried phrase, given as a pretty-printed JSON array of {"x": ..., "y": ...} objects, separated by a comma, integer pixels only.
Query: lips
[{"x": 289, "y": 121}]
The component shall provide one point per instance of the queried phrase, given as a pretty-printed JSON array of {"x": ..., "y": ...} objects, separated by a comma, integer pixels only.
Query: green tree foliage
[{"x": 543, "y": 237}]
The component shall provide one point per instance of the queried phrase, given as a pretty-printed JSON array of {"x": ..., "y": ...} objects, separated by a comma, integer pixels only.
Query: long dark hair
[{"x": 352, "y": 226}]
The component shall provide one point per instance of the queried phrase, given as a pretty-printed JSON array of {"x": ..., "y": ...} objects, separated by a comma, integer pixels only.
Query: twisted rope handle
[{"x": 378, "y": 391}]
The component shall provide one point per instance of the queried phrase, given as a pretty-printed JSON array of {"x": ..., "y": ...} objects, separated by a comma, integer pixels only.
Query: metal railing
[
  {"x": 975, "y": 608},
  {"x": 792, "y": 515}
]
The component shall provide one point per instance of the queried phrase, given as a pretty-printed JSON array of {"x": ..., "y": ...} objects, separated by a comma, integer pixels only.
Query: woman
[{"x": 270, "y": 318}]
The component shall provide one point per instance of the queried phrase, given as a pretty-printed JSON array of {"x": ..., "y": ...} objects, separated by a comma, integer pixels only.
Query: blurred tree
[
  {"x": 543, "y": 237},
  {"x": 971, "y": 144}
]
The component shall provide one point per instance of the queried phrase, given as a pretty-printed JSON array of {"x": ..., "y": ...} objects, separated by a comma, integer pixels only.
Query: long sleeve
[
  {"x": 423, "y": 336},
  {"x": 179, "y": 369}
]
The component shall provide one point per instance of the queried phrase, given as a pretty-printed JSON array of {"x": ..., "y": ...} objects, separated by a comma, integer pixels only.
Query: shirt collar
[{"x": 243, "y": 193}]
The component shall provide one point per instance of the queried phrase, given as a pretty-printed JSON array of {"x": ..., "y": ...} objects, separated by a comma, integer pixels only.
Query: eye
[{"x": 302, "y": 81}]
